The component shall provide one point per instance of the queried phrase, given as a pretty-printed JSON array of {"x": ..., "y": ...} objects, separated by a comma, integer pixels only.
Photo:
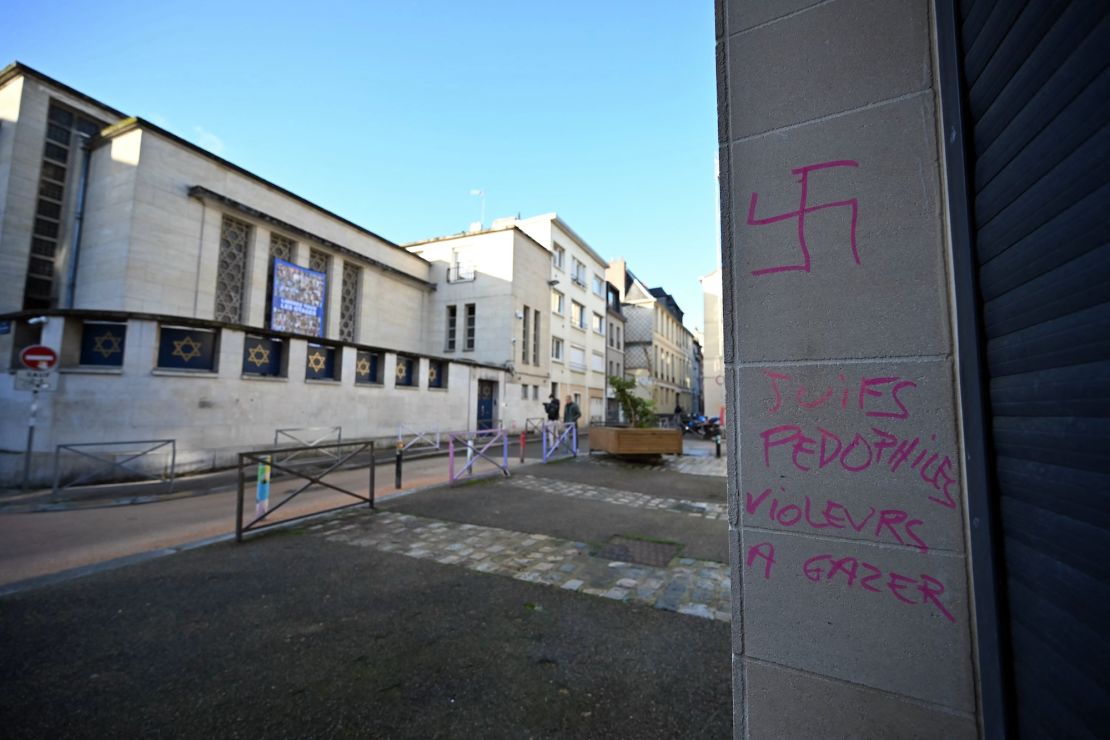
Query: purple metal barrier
[
  {"x": 470, "y": 440},
  {"x": 559, "y": 443}
]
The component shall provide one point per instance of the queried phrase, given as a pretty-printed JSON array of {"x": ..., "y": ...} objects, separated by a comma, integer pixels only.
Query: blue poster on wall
[{"x": 298, "y": 302}]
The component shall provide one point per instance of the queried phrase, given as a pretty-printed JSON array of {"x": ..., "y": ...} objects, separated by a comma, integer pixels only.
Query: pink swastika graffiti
[{"x": 805, "y": 208}]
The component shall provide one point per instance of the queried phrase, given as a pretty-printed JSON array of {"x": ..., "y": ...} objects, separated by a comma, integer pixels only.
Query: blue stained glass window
[
  {"x": 437, "y": 374},
  {"x": 368, "y": 367},
  {"x": 181, "y": 348},
  {"x": 320, "y": 362},
  {"x": 406, "y": 371},
  {"x": 263, "y": 356},
  {"x": 102, "y": 344}
]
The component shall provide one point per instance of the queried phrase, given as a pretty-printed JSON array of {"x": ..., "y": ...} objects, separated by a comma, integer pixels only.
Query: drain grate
[{"x": 629, "y": 550}]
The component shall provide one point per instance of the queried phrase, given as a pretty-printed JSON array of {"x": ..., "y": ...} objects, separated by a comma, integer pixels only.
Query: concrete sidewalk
[{"x": 324, "y": 630}]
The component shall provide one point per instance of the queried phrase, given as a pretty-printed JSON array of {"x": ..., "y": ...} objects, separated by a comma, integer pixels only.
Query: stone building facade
[{"x": 149, "y": 265}]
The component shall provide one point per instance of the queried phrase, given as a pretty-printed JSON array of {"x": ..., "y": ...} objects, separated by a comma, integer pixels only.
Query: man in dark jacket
[
  {"x": 552, "y": 408},
  {"x": 571, "y": 412}
]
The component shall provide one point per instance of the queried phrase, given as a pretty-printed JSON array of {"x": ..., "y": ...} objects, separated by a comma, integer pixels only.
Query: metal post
[
  {"x": 543, "y": 435},
  {"x": 522, "y": 442},
  {"x": 397, "y": 471},
  {"x": 717, "y": 439},
  {"x": 373, "y": 465},
  {"x": 239, "y": 503},
  {"x": 30, "y": 436},
  {"x": 574, "y": 440},
  {"x": 469, "y": 455},
  {"x": 505, "y": 452},
  {"x": 451, "y": 458}
]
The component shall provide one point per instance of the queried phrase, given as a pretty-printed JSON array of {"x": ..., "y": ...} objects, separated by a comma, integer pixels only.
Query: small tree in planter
[
  {"x": 643, "y": 438},
  {"x": 640, "y": 412}
]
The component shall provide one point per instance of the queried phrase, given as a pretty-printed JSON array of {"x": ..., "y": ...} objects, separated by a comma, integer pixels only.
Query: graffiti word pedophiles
[
  {"x": 890, "y": 524},
  {"x": 804, "y": 208},
  {"x": 877, "y": 397},
  {"x": 853, "y": 572},
  {"x": 825, "y": 449}
]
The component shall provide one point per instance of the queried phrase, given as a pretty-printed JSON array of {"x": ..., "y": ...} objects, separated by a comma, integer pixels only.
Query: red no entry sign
[{"x": 38, "y": 357}]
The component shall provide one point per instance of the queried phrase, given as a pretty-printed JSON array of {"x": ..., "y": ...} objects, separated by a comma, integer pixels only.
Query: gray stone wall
[{"x": 847, "y": 513}]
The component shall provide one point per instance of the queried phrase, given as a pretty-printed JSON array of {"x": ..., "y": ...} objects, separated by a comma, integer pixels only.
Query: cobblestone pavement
[
  {"x": 696, "y": 587},
  {"x": 704, "y": 509},
  {"x": 688, "y": 464}
]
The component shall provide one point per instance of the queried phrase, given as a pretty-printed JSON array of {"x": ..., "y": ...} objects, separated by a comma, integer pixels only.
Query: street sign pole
[{"x": 30, "y": 436}]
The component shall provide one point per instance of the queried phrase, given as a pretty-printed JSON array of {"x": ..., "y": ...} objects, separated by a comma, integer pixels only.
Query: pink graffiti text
[
  {"x": 825, "y": 448},
  {"x": 894, "y": 525},
  {"x": 852, "y": 572},
  {"x": 876, "y": 397}
]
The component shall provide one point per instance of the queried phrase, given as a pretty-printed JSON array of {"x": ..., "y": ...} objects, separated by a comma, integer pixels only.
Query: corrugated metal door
[{"x": 1037, "y": 100}]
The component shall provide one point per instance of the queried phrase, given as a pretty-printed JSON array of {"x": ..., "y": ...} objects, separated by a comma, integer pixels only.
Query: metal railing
[
  {"x": 110, "y": 464},
  {"x": 346, "y": 455},
  {"x": 535, "y": 425},
  {"x": 418, "y": 441},
  {"x": 470, "y": 441},
  {"x": 560, "y": 441},
  {"x": 306, "y": 440}
]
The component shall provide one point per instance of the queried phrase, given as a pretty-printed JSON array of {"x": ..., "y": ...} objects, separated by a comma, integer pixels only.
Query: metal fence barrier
[
  {"x": 560, "y": 441},
  {"x": 535, "y": 426},
  {"x": 306, "y": 441},
  {"x": 342, "y": 453},
  {"x": 470, "y": 442},
  {"x": 111, "y": 464},
  {"x": 418, "y": 441}
]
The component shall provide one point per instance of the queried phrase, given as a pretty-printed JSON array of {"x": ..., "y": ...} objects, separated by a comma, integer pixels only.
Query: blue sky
[{"x": 389, "y": 113}]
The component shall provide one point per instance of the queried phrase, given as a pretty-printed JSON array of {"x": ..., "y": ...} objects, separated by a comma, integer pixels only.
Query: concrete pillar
[{"x": 847, "y": 527}]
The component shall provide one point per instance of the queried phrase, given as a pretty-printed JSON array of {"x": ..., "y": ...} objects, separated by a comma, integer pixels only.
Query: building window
[
  {"x": 610, "y": 367},
  {"x": 577, "y": 358},
  {"x": 368, "y": 368},
  {"x": 535, "y": 337},
  {"x": 185, "y": 348},
  {"x": 524, "y": 392},
  {"x": 231, "y": 270},
  {"x": 61, "y": 127},
  {"x": 452, "y": 321},
  {"x": 471, "y": 322},
  {"x": 320, "y": 363},
  {"x": 618, "y": 337},
  {"x": 599, "y": 285},
  {"x": 557, "y": 302},
  {"x": 281, "y": 248},
  {"x": 577, "y": 315},
  {"x": 578, "y": 272},
  {"x": 555, "y": 389},
  {"x": 557, "y": 349},
  {"x": 535, "y": 393},
  {"x": 262, "y": 357},
  {"x": 406, "y": 372},
  {"x": 437, "y": 374},
  {"x": 320, "y": 261},
  {"x": 598, "y": 365},
  {"x": 102, "y": 344},
  {"x": 558, "y": 257},
  {"x": 526, "y": 324},
  {"x": 348, "y": 302},
  {"x": 599, "y": 323}
]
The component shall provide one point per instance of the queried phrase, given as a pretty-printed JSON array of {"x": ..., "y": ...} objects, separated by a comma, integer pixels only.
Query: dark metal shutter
[{"x": 1036, "y": 78}]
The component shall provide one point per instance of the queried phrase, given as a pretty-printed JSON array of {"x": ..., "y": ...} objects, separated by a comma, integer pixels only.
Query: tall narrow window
[
  {"x": 452, "y": 322},
  {"x": 281, "y": 248},
  {"x": 535, "y": 337},
  {"x": 61, "y": 143},
  {"x": 231, "y": 270},
  {"x": 320, "y": 261},
  {"x": 525, "y": 335},
  {"x": 471, "y": 320},
  {"x": 348, "y": 302}
]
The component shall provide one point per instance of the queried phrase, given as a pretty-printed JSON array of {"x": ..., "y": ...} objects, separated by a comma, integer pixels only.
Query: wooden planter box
[{"x": 632, "y": 441}]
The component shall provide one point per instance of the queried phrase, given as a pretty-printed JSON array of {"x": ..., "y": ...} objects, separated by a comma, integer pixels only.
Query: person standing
[
  {"x": 552, "y": 408},
  {"x": 571, "y": 412}
]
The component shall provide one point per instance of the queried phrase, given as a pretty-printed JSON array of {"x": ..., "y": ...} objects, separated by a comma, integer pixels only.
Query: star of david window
[
  {"x": 320, "y": 362},
  {"x": 368, "y": 368},
  {"x": 187, "y": 348},
  {"x": 437, "y": 374},
  {"x": 102, "y": 344},
  {"x": 405, "y": 374},
  {"x": 231, "y": 270},
  {"x": 263, "y": 357}
]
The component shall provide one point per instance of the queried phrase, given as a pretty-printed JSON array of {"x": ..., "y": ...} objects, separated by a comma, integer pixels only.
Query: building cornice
[{"x": 19, "y": 69}]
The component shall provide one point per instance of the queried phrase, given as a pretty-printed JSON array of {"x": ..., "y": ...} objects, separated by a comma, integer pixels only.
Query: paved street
[{"x": 585, "y": 598}]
